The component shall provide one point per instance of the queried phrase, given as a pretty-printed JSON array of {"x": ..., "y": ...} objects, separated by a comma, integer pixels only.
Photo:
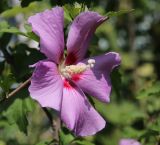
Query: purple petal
[
  {"x": 128, "y": 142},
  {"x": 48, "y": 25},
  {"x": 78, "y": 114},
  {"x": 96, "y": 81},
  {"x": 46, "y": 85},
  {"x": 80, "y": 34}
]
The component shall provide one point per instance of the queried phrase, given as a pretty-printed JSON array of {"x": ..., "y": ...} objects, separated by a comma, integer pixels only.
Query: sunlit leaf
[
  {"x": 3, "y": 24},
  {"x": 33, "y": 7},
  {"x": 16, "y": 31},
  {"x": 13, "y": 30},
  {"x": 11, "y": 12},
  {"x": 118, "y": 13},
  {"x": 25, "y": 3}
]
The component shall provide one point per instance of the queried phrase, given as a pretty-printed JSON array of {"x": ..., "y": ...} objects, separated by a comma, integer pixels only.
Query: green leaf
[
  {"x": 16, "y": 112},
  {"x": 72, "y": 10},
  {"x": 149, "y": 133},
  {"x": 130, "y": 132},
  {"x": 3, "y": 24},
  {"x": 33, "y": 36},
  {"x": 11, "y": 12},
  {"x": 15, "y": 30},
  {"x": 30, "y": 34},
  {"x": 117, "y": 112},
  {"x": 82, "y": 142},
  {"x": 45, "y": 142},
  {"x": 28, "y": 27},
  {"x": 25, "y": 3},
  {"x": 118, "y": 13},
  {"x": 33, "y": 7},
  {"x": 65, "y": 137},
  {"x": 153, "y": 90},
  {"x": 155, "y": 126}
]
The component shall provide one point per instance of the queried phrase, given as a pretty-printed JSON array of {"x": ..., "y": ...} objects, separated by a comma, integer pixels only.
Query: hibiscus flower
[
  {"x": 129, "y": 142},
  {"x": 59, "y": 82}
]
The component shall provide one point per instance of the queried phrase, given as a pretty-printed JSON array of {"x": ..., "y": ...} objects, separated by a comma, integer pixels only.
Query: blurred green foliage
[{"x": 134, "y": 110}]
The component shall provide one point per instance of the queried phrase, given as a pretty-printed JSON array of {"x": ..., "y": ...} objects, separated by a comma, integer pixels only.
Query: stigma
[{"x": 70, "y": 70}]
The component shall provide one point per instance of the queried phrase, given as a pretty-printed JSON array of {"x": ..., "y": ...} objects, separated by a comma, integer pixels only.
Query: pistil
[{"x": 68, "y": 71}]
